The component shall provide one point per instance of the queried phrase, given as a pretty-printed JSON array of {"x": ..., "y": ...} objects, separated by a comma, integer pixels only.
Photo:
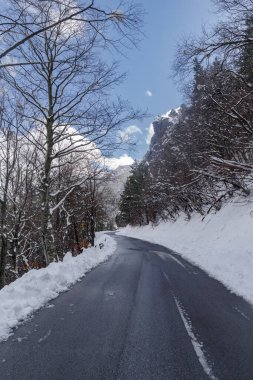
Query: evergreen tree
[
  {"x": 245, "y": 61},
  {"x": 133, "y": 204}
]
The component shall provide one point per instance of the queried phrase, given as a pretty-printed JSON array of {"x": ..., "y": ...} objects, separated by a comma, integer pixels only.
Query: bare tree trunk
[
  {"x": 47, "y": 237},
  {"x": 3, "y": 261},
  {"x": 3, "y": 244},
  {"x": 92, "y": 229},
  {"x": 77, "y": 245}
]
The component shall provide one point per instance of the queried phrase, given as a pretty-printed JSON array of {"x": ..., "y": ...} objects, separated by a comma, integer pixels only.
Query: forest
[
  {"x": 58, "y": 122},
  {"x": 60, "y": 119},
  {"x": 202, "y": 153}
]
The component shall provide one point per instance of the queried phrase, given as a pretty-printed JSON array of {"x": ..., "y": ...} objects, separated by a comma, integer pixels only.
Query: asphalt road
[{"x": 144, "y": 314}]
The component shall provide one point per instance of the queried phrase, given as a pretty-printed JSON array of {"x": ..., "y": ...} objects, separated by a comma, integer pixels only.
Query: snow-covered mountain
[
  {"x": 161, "y": 130},
  {"x": 163, "y": 124},
  {"x": 118, "y": 179}
]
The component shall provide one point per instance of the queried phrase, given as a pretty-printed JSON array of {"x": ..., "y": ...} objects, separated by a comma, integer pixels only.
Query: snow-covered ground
[
  {"x": 222, "y": 244},
  {"x": 35, "y": 288}
]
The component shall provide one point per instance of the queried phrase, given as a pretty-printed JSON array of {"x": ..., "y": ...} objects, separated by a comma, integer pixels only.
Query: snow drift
[
  {"x": 35, "y": 288},
  {"x": 221, "y": 244}
]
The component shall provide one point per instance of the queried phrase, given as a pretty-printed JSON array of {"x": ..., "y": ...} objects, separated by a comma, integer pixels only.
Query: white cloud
[
  {"x": 149, "y": 93},
  {"x": 114, "y": 163},
  {"x": 150, "y": 133},
  {"x": 128, "y": 132}
]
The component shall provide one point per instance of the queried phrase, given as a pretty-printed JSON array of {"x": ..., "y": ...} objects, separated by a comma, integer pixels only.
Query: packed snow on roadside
[
  {"x": 221, "y": 244},
  {"x": 35, "y": 288}
]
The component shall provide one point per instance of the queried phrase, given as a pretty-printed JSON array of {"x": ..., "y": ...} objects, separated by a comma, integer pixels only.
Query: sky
[{"x": 149, "y": 84}]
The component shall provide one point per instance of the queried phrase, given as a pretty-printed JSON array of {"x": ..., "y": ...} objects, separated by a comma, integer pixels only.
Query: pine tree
[
  {"x": 245, "y": 61},
  {"x": 133, "y": 203}
]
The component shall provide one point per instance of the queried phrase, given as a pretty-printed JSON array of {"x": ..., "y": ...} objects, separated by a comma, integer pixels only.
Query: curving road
[{"x": 144, "y": 314}]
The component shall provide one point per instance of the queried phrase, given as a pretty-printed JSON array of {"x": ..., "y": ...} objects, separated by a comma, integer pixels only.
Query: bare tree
[
  {"x": 25, "y": 15},
  {"x": 225, "y": 40},
  {"x": 66, "y": 86},
  {"x": 17, "y": 161}
]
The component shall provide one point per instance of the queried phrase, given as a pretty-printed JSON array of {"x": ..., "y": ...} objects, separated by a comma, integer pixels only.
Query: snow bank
[
  {"x": 35, "y": 288},
  {"x": 222, "y": 244}
]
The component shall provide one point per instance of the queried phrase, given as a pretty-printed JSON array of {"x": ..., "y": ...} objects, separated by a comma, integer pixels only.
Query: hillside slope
[{"x": 221, "y": 244}]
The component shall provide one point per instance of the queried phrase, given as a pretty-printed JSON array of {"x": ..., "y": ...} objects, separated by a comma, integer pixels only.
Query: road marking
[
  {"x": 167, "y": 278},
  {"x": 45, "y": 336},
  {"x": 179, "y": 262},
  {"x": 242, "y": 314},
  {"x": 197, "y": 345},
  {"x": 167, "y": 256}
]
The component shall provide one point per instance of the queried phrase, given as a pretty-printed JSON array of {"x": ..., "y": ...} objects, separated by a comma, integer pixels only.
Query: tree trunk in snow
[
  {"x": 3, "y": 243},
  {"x": 47, "y": 234}
]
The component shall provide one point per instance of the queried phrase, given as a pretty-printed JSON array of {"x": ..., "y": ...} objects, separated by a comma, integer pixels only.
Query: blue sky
[{"x": 149, "y": 67}]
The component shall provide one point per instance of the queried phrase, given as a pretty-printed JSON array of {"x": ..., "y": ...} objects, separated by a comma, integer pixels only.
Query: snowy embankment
[
  {"x": 221, "y": 244},
  {"x": 35, "y": 288}
]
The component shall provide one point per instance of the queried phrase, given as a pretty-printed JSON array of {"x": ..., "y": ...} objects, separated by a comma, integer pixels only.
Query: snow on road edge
[
  {"x": 35, "y": 288},
  {"x": 222, "y": 244}
]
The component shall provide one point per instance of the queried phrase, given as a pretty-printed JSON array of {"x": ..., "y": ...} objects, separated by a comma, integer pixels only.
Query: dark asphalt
[{"x": 144, "y": 314}]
